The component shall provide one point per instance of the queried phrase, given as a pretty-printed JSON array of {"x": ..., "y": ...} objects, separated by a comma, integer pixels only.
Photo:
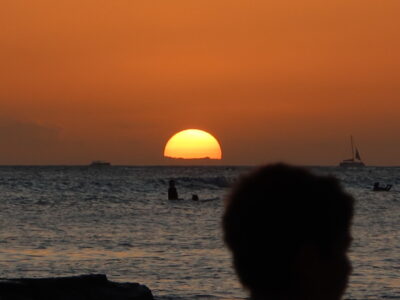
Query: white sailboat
[{"x": 355, "y": 161}]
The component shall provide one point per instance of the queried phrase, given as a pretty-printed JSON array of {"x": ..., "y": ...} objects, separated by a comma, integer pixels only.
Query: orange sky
[{"x": 272, "y": 80}]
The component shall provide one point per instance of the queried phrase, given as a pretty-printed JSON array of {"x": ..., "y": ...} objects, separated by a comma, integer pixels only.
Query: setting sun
[{"x": 193, "y": 144}]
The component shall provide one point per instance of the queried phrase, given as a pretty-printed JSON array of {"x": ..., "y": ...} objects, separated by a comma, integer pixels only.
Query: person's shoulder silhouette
[
  {"x": 289, "y": 232},
  {"x": 172, "y": 192}
]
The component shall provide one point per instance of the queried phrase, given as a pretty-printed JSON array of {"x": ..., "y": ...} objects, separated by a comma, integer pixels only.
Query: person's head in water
[{"x": 289, "y": 232}]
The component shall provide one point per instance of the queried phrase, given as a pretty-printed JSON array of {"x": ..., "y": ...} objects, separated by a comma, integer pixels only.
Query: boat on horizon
[
  {"x": 100, "y": 163},
  {"x": 355, "y": 161}
]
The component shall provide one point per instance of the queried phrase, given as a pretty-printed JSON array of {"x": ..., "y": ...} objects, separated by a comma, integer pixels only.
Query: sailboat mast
[{"x": 352, "y": 146}]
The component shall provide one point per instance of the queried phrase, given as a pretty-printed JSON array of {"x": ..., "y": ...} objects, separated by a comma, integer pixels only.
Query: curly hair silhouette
[{"x": 289, "y": 233}]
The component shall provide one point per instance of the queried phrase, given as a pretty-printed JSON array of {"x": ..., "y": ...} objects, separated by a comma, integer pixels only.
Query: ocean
[{"x": 63, "y": 221}]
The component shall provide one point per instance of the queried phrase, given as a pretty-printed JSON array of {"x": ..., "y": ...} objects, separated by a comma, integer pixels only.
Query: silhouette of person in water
[
  {"x": 377, "y": 187},
  {"x": 289, "y": 233},
  {"x": 172, "y": 192}
]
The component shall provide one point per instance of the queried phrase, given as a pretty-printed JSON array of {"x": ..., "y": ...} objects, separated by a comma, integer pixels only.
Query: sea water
[{"x": 62, "y": 221}]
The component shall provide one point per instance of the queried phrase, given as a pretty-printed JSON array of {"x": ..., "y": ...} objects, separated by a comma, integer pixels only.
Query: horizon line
[{"x": 180, "y": 165}]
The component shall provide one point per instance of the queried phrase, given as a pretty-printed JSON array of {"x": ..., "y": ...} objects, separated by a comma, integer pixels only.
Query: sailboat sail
[
  {"x": 358, "y": 154},
  {"x": 355, "y": 160}
]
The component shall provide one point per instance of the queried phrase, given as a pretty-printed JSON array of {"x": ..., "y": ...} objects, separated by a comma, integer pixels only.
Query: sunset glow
[
  {"x": 277, "y": 80},
  {"x": 193, "y": 144}
]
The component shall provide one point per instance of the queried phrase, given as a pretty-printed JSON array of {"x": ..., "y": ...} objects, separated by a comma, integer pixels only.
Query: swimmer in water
[{"x": 172, "y": 192}]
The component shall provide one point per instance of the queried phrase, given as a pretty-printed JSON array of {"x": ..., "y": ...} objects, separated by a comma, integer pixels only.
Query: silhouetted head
[
  {"x": 289, "y": 232},
  {"x": 171, "y": 183}
]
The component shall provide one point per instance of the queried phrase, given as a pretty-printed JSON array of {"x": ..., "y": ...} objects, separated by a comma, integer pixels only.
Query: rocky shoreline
[{"x": 83, "y": 287}]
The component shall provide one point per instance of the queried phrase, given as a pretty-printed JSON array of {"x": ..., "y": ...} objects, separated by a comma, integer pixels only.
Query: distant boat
[
  {"x": 100, "y": 163},
  {"x": 355, "y": 161}
]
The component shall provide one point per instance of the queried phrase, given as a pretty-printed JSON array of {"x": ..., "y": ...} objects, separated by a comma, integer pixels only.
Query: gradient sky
[{"x": 272, "y": 80}]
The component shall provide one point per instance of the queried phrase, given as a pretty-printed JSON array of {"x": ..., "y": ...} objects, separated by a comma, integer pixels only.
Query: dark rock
[{"x": 84, "y": 287}]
